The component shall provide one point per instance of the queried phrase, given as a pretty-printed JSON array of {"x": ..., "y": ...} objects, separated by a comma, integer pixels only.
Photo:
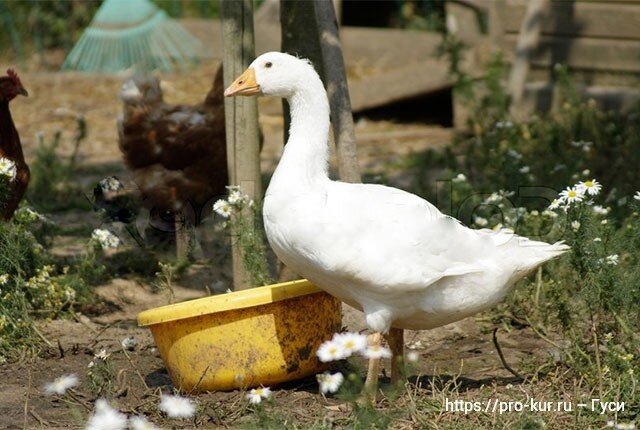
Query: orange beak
[{"x": 244, "y": 85}]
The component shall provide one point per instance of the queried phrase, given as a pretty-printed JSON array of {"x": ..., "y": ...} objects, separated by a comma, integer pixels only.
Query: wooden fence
[{"x": 598, "y": 40}]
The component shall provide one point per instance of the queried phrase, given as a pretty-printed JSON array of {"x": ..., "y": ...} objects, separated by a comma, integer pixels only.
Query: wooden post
[
  {"x": 321, "y": 44},
  {"x": 335, "y": 79},
  {"x": 527, "y": 43},
  {"x": 241, "y": 114},
  {"x": 496, "y": 24},
  {"x": 183, "y": 231}
]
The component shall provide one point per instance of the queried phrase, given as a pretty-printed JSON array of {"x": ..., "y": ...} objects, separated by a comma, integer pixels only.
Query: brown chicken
[
  {"x": 10, "y": 146},
  {"x": 177, "y": 153}
]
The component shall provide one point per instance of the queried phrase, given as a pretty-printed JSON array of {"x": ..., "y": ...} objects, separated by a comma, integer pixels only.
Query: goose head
[{"x": 273, "y": 74}]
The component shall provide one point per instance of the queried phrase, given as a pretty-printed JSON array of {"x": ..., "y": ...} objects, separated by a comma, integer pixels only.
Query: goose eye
[{"x": 268, "y": 64}]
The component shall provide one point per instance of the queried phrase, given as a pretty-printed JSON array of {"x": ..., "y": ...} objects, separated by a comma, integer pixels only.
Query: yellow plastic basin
[{"x": 260, "y": 336}]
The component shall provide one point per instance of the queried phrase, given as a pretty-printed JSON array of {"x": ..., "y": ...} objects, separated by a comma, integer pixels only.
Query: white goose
[{"x": 387, "y": 252}]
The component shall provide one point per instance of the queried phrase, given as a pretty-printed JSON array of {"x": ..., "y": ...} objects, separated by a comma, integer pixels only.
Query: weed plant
[
  {"x": 505, "y": 173},
  {"x": 242, "y": 218},
  {"x": 34, "y": 285}
]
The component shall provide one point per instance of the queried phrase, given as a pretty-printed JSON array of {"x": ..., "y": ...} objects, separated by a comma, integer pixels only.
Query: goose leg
[
  {"x": 395, "y": 338},
  {"x": 371, "y": 383}
]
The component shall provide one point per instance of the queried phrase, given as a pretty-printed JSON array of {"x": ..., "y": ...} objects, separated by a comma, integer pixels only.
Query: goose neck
[{"x": 305, "y": 159}]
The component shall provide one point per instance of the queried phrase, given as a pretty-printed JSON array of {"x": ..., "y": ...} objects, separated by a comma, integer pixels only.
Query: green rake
[{"x": 133, "y": 34}]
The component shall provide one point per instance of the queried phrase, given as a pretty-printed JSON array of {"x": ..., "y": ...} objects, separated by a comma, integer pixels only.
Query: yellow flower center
[
  {"x": 349, "y": 344},
  {"x": 572, "y": 194},
  {"x": 588, "y": 184},
  {"x": 259, "y": 391}
]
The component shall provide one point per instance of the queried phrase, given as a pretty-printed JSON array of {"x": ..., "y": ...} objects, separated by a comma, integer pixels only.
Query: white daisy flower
[
  {"x": 141, "y": 423},
  {"x": 604, "y": 222},
  {"x": 555, "y": 204},
  {"x": 28, "y": 215},
  {"x": 515, "y": 154},
  {"x": 586, "y": 172},
  {"x": 176, "y": 406},
  {"x": 129, "y": 343},
  {"x": 584, "y": 145},
  {"x": 549, "y": 213},
  {"x": 61, "y": 384},
  {"x": 571, "y": 195},
  {"x": 597, "y": 239},
  {"x": 253, "y": 397},
  {"x": 8, "y": 168},
  {"x": 504, "y": 124},
  {"x": 236, "y": 198},
  {"x": 600, "y": 210},
  {"x": 591, "y": 187},
  {"x": 459, "y": 178},
  {"x": 493, "y": 198},
  {"x": 376, "y": 351},
  {"x": 625, "y": 426},
  {"x": 413, "y": 356},
  {"x": 110, "y": 184},
  {"x": 636, "y": 196},
  {"x": 105, "y": 239},
  {"x": 575, "y": 225},
  {"x": 4, "y": 279},
  {"x": 613, "y": 259},
  {"x": 331, "y": 351},
  {"x": 350, "y": 342},
  {"x": 480, "y": 221},
  {"x": 106, "y": 418},
  {"x": 102, "y": 355},
  {"x": 223, "y": 208},
  {"x": 256, "y": 395},
  {"x": 524, "y": 169},
  {"x": 330, "y": 383}
]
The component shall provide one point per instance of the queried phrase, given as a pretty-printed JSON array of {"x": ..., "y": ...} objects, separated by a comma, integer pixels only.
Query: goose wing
[{"x": 383, "y": 238}]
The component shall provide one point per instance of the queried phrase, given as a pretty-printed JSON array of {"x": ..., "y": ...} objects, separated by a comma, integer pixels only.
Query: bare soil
[{"x": 462, "y": 351}]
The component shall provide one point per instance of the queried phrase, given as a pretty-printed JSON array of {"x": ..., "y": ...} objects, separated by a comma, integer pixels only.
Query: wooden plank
[
  {"x": 387, "y": 48},
  {"x": 528, "y": 38},
  {"x": 466, "y": 22},
  {"x": 241, "y": 120},
  {"x": 588, "y": 77},
  {"x": 399, "y": 84},
  {"x": 538, "y": 96},
  {"x": 583, "y": 53},
  {"x": 496, "y": 23},
  {"x": 566, "y": 18},
  {"x": 379, "y": 48},
  {"x": 335, "y": 75}
]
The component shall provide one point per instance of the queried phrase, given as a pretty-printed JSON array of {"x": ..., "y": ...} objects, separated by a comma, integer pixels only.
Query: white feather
[{"x": 385, "y": 251}]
